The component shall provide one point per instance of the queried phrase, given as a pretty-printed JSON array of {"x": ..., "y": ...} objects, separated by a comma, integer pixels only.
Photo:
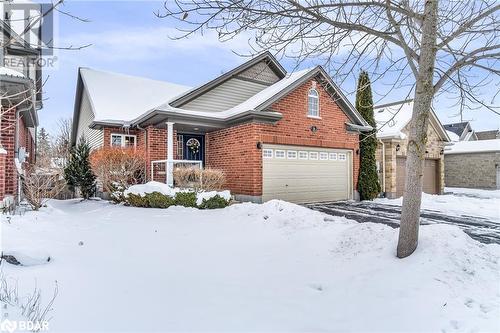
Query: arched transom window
[{"x": 313, "y": 103}]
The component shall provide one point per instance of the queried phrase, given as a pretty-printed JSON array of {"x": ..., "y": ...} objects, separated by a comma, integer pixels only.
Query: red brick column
[
  {"x": 7, "y": 139},
  {"x": 3, "y": 156},
  {"x": 156, "y": 149}
]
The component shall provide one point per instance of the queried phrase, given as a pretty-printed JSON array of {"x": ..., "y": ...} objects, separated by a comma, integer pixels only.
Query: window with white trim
[
  {"x": 333, "y": 156},
  {"x": 291, "y": 154},
  {"x": 279, "y": 153},
  {"x": 123, "y": 140},
  {"x": 323, "y": 156},
  {"x": 313, "y": 155},
  {"x": 267, "y": 153},
  {"x": 342, "y": 157},
  {"x": 303, "y": 155},
  {"x": 313, "y": 103}
]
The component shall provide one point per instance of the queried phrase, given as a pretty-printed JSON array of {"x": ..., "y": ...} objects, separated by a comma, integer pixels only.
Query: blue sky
[{"x": 127, "y": 38}]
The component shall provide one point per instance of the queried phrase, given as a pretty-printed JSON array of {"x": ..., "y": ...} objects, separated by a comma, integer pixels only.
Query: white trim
[
  {"x": 267, "y": 150},
  {"x": 170, "y": 154},
  {"x": 313, "y": 96},
  {"x": 288, "y": 154},
  {"x": 281, "y": 151},
  {"x": 122, "y": 135}
]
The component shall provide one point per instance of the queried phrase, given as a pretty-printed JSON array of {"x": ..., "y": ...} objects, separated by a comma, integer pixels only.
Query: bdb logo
[
  {"x": 34, "y": 22},
  {"x": 11, "y": 326}
]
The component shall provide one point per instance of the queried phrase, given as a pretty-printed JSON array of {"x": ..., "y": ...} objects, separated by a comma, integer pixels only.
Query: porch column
[{"x": 170, "y": 154}]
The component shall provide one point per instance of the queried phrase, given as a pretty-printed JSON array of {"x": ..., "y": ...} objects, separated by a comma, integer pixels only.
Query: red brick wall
[
  {"x": 2, "y": 175},
  {"x": 234, "y": 149},
  {"x": 7, "y": 137}
]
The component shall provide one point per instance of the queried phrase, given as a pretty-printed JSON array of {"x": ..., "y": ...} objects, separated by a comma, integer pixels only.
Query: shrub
[
  {"x": 118, "y": 167},
  {"x": 214, "y": 202},
  {"x": 198, "y": 179},
  {"x": 186, "y": 199},
  {"x": 42, "y": 184},
  {"x": 136, "y": 200},
  {"x": 159, "y": 200}
]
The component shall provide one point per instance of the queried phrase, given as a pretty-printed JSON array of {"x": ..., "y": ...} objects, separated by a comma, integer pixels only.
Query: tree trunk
[{"x": 424, "y": 92}]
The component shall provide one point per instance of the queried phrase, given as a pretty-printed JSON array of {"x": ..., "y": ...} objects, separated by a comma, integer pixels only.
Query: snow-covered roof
[
  {"x": 391, "y": 120},
  {"x": 122, "y": 98},
  {"x": 10, "y": 72},
  {"x": 453, "y": 136},
  {"x": 480, "y": 146}
]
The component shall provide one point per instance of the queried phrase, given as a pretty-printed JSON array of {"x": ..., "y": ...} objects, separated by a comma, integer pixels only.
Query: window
[
  {"x": 279, "y": 153},
  {"x": 267, "y": 153},
  {"x": 313, "y": 155},
  {"x": 342, "y": 157},
  {"x": 291, "y": 154},
  {"x": 313, "y": 103},
  {"x": 180, "y": 146},
  {"x": 323, "y": 156},
  {"x": 122, "y": 140},
  {"x": 333, "y": 156},
  {"x": 303, "y": 155}
]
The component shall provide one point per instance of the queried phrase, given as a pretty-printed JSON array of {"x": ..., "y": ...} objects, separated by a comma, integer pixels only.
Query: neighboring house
[
  {"x": 292, "y": 136},
  {"x": 393, "y": 125},
  {"x": 473, "y": 164},
  {"x": 461, "y": 132},
  {"x": 488, "y": 135},
  {"x": 20, "y": 99}
]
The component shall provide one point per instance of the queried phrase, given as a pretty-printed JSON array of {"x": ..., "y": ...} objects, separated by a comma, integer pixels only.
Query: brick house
[
  {"x": 393, "y": 125},
  {"x": 274, "y": 134},
  {"x": 20, "y": 99}
]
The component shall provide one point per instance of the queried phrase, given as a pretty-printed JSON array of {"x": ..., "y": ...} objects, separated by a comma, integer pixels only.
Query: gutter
[{"x": 359, "y": 128}]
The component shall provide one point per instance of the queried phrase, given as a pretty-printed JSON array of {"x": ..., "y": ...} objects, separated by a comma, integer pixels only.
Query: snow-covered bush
[
  {"x": 159, "y": 195},
  {"x": 214, "y": 202},
  {"x": 117, "y": 168},
  {"x": 199, "y": 179}
]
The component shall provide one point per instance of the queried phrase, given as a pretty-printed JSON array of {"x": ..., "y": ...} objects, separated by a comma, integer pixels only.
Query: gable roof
[
  {"x": 457, "y": 128},
  {"x": 392, "y": 118},
  {"x": 260, "y": 103},
  {"x": 121, "y": 98},
  {"x": 480, "y": 146},
  {"x": 267, "y": 57}
]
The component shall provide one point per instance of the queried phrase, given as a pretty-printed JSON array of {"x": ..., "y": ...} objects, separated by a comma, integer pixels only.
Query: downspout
[{"x": 383, "y": 165}]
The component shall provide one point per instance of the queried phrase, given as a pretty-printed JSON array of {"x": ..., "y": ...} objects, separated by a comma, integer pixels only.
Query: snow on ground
[
  {"x": 459, "y": 201},
  {"x": 248, "y": 267}
]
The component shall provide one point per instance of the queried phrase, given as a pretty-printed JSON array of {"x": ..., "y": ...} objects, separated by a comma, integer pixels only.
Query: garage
[
  {"x": 305, "y": 174},
  {"x": 431, "y": 172}
]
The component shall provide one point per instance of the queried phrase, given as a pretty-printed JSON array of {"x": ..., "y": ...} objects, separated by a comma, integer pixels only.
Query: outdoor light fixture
[
  {"x": 259, "y": 145},
  {"x": 314, "y": 129},
  {"x": 441, "y": 152},
  {"x": 427, "y": 152},
  {"x": 357, "y": 151},
  {"x": 398, "y": 147}
]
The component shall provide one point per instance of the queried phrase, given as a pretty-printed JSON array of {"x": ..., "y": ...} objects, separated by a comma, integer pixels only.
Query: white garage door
[{"x": 305, "y": 174}]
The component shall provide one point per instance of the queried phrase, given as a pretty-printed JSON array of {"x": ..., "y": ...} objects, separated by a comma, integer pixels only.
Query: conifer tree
[
  {"x": 368, "y": 183},
  {"x": 78, "y": 172},
  {"x": 43, "y": 148}
]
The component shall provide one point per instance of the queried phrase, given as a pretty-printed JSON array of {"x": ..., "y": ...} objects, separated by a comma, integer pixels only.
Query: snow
[
  {"x": 122, "y": 98},
  {"x": 392, "y": 119},
  {"x": 473, "y": 147},
  {"x": 152, "y": 186},
  {"x": 207, "y": 195},
  {"x": 10, "y": 72},
  {"x": 480, "y": 203},
  {"x": 249, "y": 267},
  {"x": 453, "y": 137}
]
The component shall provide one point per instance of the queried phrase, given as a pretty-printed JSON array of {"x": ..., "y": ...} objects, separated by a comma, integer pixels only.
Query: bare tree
[
  {"x": 424, "y": 46},
  {"x": 62, "y": 147},
  {"x": 42, "y": 183}
]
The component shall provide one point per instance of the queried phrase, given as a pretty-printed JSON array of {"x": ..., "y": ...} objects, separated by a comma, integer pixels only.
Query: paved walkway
[{"x": 481, "y": 229}]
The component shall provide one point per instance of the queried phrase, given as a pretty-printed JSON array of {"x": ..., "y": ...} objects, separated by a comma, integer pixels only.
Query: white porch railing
[{"x": 167, "y": 167}]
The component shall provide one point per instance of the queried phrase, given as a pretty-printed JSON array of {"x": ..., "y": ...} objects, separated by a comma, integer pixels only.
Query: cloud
[{"x": 147, "y": 43}]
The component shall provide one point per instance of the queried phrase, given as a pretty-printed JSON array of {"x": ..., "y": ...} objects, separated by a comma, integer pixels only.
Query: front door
[{"x": 193, "y": 147}]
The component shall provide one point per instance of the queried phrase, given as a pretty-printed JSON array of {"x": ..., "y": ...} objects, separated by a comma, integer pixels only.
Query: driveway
[{"x": 481, "y": 229}]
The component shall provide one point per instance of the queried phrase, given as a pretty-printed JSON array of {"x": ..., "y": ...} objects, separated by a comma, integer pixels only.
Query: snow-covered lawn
[
  {"x": 270, "y": 267},
  {"x": 459, "y": 201}
]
